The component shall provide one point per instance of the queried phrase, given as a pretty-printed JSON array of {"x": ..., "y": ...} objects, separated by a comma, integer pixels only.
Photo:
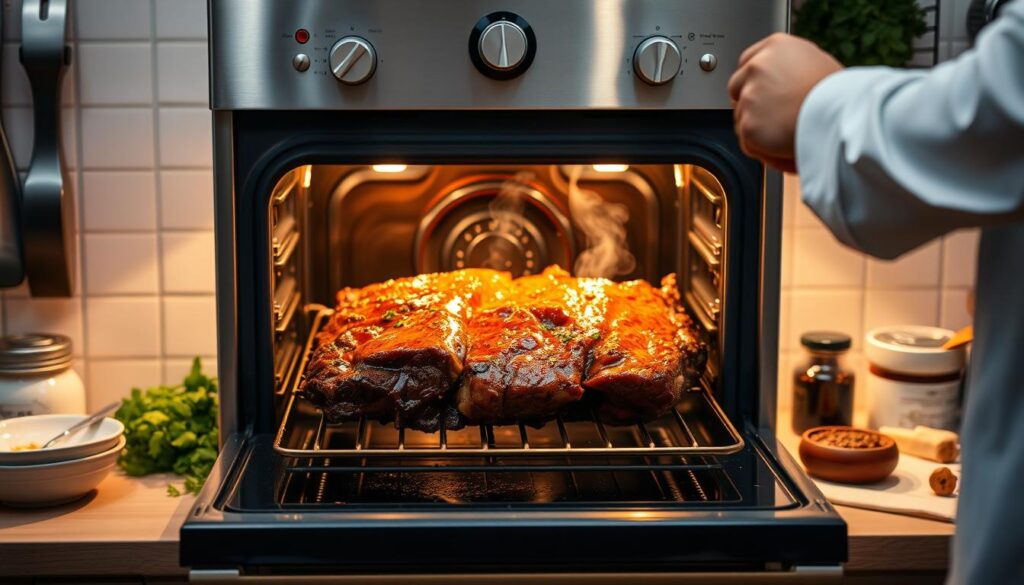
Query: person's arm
[{"x": 891, "y": 159}]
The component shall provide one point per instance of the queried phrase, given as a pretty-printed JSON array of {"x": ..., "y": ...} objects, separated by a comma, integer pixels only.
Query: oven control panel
[{"x": 481, "y": 54}]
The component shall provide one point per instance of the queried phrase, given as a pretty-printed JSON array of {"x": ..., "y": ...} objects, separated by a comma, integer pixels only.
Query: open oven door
[{"x": 270, "y": 518}]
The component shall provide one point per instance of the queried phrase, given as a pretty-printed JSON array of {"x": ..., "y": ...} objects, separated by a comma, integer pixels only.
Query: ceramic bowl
[
  {"x": 50, "y": 484},
  {"x": 37, "y": 430},
  {"x": 848, "y": 464}
]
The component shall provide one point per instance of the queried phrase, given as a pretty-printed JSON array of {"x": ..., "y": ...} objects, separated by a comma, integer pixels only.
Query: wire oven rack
[{"x": 697, "y": 426}]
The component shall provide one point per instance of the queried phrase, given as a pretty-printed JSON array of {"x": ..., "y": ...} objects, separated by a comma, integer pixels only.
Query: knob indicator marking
[
  {"x": 353, "y": 60},
  {"x": 657, "y": 60}
]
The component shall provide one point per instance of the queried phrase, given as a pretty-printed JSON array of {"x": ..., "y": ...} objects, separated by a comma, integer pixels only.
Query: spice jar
[
  {"x": 36, "y": 376},
  {"x": 822, "y": 388},
  {"x": 912, "y": 379}
]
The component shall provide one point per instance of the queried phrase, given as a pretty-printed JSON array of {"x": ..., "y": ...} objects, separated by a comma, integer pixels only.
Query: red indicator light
[{"x": 302, "y": 36}]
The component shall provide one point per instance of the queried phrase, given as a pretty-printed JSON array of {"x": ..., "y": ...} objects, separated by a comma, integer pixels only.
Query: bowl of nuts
[{"x": 848, "y": 454}]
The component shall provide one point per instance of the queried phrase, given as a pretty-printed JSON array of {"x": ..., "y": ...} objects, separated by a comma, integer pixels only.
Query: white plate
[
  {"x": 56, "y": 483},
  {"x": 25, "y": 430}
]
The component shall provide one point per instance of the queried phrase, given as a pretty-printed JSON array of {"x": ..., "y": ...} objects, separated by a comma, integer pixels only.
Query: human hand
[{"x": 773, "y": 79}]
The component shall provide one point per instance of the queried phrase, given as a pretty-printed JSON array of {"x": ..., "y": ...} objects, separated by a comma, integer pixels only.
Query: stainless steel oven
[{"x": 357, "y": 141}]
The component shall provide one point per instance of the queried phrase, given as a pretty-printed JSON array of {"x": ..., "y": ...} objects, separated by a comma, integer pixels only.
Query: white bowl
[
  {"x": 56, "y": 483},
  {"x": 26, "y": 430}
]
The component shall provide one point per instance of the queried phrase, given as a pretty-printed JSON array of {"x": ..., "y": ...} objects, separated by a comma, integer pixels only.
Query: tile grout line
[
  {"x": 154, "y": 80},
  {"x": 80, "y": 207}
]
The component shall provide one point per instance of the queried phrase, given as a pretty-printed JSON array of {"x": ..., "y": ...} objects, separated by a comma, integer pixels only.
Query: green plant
[
  {"x": 172, "y": 428},
  {"x": 862, "y": 32}
]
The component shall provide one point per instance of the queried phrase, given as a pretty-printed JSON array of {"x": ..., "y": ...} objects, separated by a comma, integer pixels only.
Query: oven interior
[{"x": 332, "y": 226}]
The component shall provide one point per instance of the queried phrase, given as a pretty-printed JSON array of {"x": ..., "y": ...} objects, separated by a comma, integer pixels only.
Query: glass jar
[
  {"x": 822, "y": 388},
  {"x": 36, "y": 376}
]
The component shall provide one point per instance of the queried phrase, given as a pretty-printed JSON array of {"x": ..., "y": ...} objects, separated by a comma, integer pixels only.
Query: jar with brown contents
[{"x": 822, "y": 388}]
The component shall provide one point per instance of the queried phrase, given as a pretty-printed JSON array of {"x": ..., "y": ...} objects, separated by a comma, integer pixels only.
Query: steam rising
[
  {"x": 505, "y": 210},
  {"x": 604, "y": 226}
]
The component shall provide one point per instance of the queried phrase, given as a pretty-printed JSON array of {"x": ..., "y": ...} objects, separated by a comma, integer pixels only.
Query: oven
[{"x": 358, "y": 141}]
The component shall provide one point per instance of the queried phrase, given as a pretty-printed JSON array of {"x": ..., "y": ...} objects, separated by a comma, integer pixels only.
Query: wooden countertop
[{"x": 129, "y": 527}]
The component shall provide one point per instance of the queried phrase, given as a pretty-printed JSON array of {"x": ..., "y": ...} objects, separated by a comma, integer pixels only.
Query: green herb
[
  {"x": 863, "y": 32},
  {"x": 548, "y": 325},
  {"x": 594, "y": 334},
  {"x": 564, "y": 336},
  {"x": 172, "y": 428},
  {"x": 400, "y": 324},
  {"x": 173, "y": 491},
  {"x": 389, "y": 315}
]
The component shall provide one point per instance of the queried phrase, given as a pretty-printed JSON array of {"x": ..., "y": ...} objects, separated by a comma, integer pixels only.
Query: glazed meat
[
  {"x": 392, "y": 351},
  {"x": 526, "y": 356},
  {"x": 508, "y": 350},
  {"x": 647, "y": 354}
]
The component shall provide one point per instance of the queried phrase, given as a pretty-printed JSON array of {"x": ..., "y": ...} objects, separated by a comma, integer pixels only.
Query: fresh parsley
[{"x": 172, "y": 428}]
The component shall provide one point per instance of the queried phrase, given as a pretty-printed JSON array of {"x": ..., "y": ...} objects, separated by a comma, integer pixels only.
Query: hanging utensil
[
  {"x": 12, "y": 265},
  {"x": 47, "y": 209}
]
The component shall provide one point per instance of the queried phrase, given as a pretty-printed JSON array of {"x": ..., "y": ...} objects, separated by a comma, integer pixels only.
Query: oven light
[
  {"x": 307, "y": 177},
  {"x": 390, "y": 168},
  {"x": 611, "y": 168},
  {"x": 678, "y": 170}
]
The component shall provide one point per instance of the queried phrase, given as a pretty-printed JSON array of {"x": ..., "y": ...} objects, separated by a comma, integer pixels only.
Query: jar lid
[
  {"x": 34, "y": 353},
  {"x": 913, "y": 349},
  {"x": 825, "y": 340}
]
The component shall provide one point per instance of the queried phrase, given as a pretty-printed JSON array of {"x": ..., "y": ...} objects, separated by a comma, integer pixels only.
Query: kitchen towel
[{"x": 906, "y": 491}]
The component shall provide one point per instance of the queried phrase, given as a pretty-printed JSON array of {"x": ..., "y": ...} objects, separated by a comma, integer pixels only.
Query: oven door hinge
[{"x": 214, "y": 576}]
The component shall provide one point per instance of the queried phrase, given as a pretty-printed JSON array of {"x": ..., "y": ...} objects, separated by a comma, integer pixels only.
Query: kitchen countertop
[{"x": 129, "y": 527}]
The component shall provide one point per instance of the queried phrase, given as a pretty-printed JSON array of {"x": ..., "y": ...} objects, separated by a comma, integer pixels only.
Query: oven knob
[
  {"x": 353, "y": 60},
  {"x": 657, "y": 60},
  {"x": 502, "y": 45}
]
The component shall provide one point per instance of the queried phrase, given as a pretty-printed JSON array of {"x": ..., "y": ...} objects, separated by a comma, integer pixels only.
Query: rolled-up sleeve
[{"x": 890, "y": 159}]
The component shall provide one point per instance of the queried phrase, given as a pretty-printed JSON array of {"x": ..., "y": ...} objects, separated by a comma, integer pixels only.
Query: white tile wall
[
  {"x": 120, "y": 201},
  {"x": 136, "y": 117}
]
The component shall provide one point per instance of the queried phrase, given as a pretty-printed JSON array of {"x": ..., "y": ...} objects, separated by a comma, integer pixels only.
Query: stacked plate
[{"x": 32, "y": 476}]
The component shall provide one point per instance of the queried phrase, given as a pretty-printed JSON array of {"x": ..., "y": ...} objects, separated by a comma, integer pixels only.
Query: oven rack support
[{"x": 696, "y": 426}]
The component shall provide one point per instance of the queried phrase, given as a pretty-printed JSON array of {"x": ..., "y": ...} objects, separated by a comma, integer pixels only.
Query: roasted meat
[
  {"x": 517, "y": 350},
  {"x": 393, "y": 351},
  {"x": 526, "y": 355},
  {"x": 647, "y": 354}
]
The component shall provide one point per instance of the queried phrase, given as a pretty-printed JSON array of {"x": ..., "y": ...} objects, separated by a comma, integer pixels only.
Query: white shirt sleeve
[{"x": 890, "y": 159}]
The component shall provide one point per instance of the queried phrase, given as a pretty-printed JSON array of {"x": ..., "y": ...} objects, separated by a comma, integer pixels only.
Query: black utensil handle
[
  {"x": 47, "y": 208},
  {"x": 12, "y": 264}
]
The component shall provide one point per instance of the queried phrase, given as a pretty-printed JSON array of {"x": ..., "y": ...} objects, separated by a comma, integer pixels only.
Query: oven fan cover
[{"x": 479, "y": 226}]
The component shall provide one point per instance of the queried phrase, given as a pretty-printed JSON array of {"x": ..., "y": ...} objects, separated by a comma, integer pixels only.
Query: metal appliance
[{"x": 356, "y": 141}]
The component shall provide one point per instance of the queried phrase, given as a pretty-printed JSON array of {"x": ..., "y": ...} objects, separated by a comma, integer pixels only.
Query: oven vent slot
[
  {"x": 283, "y": 253},
  {"x": 285, "y": 188},
  {"x": 705, "y": 302},
  {"x": 286, "y": 302},
  {"x": 285, "y": 357},
  {"x": 285, "y": 235}
]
